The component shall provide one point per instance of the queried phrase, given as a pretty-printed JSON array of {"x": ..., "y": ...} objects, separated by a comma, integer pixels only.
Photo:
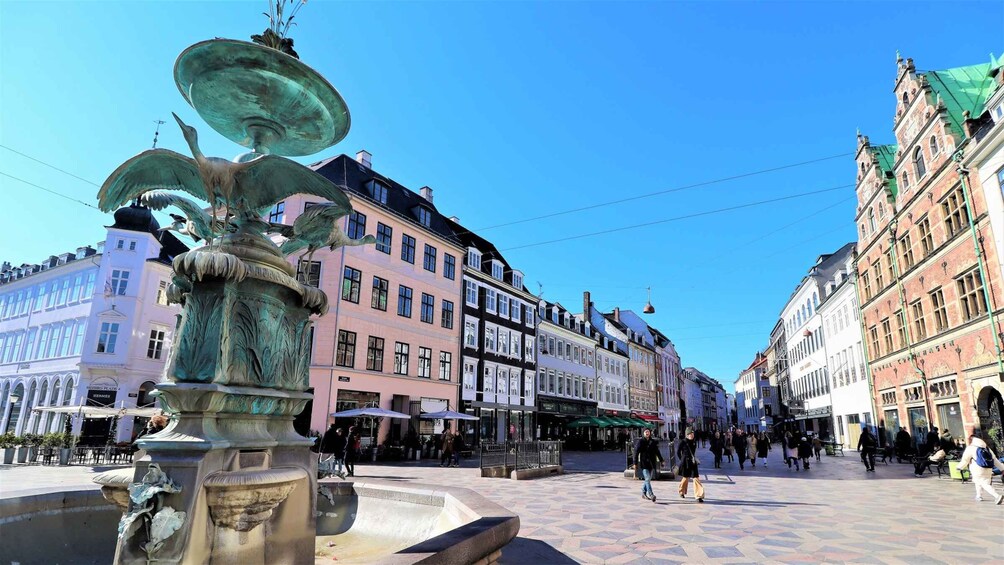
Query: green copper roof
[{"x": 964, "y": 89}]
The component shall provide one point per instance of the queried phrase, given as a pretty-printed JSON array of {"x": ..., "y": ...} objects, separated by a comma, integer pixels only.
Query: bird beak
[{"x": 183, "y": 125}]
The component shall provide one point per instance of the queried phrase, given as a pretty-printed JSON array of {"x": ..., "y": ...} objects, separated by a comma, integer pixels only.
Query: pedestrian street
[{"x": 835, "y": 512}]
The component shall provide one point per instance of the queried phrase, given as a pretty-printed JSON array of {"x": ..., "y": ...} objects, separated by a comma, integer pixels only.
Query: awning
[
  {"x": 648, "y": 418},
  {"x": 590, "y": 422}
]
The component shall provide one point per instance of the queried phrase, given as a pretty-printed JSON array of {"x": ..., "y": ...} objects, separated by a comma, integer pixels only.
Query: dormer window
[
  {"x": 517, "y": 279},
  {"x": 424, "y": 217},
  {"x": 496, "y": 269},
  {"x": 474, "y": 258},
  {"x": 378, "y": 191}
]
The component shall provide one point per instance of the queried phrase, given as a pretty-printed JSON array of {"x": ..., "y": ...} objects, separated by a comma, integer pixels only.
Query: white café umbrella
[{"x": 373, "y": 413}]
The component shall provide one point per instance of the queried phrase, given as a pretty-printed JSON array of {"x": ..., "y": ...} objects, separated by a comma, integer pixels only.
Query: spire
[{"x": 156, "y": 132}]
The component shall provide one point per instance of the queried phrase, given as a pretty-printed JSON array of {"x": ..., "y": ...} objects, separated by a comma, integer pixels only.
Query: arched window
[
  {"x": 15, "y": 408},
  {"x": 143, "y": 398},
  {"x": 815, "y": 300},
  {"x": 906, "y": 98},
  {"x": 918, "y": 163},
  {"x": 43, "y": 392},
  {"x": 906, "y": 180},
  {"x": 862, "y": 169},
  {"x": 934, "y": 145},
  {"x": 871, "y": 220}
]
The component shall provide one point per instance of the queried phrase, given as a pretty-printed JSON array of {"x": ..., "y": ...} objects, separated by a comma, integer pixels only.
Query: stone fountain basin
[{"x": 366, "y": 521}]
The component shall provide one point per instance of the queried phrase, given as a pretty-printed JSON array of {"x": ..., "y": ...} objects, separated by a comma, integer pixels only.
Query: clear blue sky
[{"x": 512, "y": 110}]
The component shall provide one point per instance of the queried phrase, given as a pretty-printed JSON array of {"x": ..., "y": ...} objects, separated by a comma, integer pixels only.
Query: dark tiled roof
[
  {"x": 354, "y": 177},
  {"x": 488, "y": 250}
]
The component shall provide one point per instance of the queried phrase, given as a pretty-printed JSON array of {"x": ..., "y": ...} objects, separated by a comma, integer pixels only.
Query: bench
[{"x": 836, "y": 448}]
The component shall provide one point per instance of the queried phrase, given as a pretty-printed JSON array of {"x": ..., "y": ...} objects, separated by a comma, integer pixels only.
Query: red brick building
[{"x": 931, "y": 305}]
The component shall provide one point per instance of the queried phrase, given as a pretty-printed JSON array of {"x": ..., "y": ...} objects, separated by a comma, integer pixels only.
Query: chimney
[
  {"x": 617, "y": 314},
  {"x": 426, "y": 193},
  {"x": 365, "y": 158},
  {"x": 586, "y": 303}
]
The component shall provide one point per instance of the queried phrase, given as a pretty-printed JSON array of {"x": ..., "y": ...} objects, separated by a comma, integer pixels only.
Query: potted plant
[
  {"x": 66, "y": 443},
  {"x": 31, "y": 442},
  {"x": 7, "y": 442},
  {"x": 22, "y": 449}
]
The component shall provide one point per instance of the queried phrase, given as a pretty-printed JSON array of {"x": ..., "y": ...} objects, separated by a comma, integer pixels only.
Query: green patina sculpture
[{"x": 238, "y": 371}]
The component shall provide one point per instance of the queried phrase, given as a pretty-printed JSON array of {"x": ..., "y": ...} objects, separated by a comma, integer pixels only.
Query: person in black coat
[
  {"x": 686, "y": 454},
  {"x": 352, "y": 446},
  {"x": 903, "y": 444},
  {"x": 804, "y": 452},
  {"x": 647, "y": 458},
  {"x": 739, "y": 443},
  {"x": 333, "y": 446},
  {"x": 867, "y": 446},
  {"x": 717, "y": 445}
]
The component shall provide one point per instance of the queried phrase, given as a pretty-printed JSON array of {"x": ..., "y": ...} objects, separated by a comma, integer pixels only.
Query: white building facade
[
  {"x": 91, "y": 327},
  {"x": 845, "y": 361}
]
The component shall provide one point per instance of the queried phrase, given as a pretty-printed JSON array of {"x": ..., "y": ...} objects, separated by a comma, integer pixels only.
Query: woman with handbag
[{"x": 686, "y": 454}]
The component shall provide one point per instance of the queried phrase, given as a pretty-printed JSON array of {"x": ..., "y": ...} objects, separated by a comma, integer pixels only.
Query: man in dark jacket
[
  {"x": 903, "y": 444},
  {"x": 867, "y": 446},
  {"x": 333, "y": 446},
  {"x": 648, "y": 459}
]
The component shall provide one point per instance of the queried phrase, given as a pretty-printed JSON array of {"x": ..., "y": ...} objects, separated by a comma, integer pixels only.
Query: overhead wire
[
  {"x": 41, "y": 162},
  {"x": 678, "y": 218},
  {"x": 49, "y": 190}
]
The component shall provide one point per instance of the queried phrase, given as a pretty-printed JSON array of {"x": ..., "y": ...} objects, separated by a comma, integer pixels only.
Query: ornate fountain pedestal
[{"x": 244, "y": 480}]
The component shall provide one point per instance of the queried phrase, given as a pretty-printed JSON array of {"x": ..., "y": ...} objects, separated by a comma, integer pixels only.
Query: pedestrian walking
[
  {"x": 867, "y": 446},
  {"x": 728, "y": 445},
  {"x": 739, "y": 442},
  {"x": 817, "y": 445},
  {"x": 804, "y": 452},
  {"x": 648, "y": 459},
  {"x": 751, "y": 447},
  {"x": 458, "y": 446},
  {"x": 981, "y": 461},
  {"x": 333, "y": 451},
  {"x": 904, "y": 445},
  {"x": 762, "y": 447},
  {"x": 686, "y": 454},
  {"x": 716, "y": 448},
  {"x": 446, "y": 444},
  {"x": 791, "y": 450},
  {"x": 353, "y": 444}
]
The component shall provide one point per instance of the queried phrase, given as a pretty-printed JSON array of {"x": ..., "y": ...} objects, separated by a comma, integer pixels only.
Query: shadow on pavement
[
  {"x": 763, "y": 503},
  {"x": 522, "y": 551}
]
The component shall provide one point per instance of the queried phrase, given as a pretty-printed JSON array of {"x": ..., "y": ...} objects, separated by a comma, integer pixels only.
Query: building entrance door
[
  {"x": 991, "y": 408},
  {"x": 853, "y": 429}
]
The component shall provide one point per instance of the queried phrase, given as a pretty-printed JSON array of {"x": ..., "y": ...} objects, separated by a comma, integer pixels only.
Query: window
[
  {"x": 404, "y": 301},
  {"x": 132, "y": 246},
  {"x": 497, "y": 270},
  {"x": 906, "y": 250},
  {"x": 445, "y": 365},
  {"x": 919, "y": 323},
  {"x": 447, "y": 317},
  {"x": 88, "y": 292},
  {"x": 408, "y": 248},
  {"x": 278, "y": 213},
  {"x": 970, "y": 289},
  {"x": 879, "y": 280},
  {"x": 471, "y": 293},
  {"x": 901, "y": 328},
  {"x": 887, "y": 335},
  {"x": 873, "y": 334},
  {"x": 120, "y": 280},
  {"x": 866, "y": 284},
  {"x": 156, "y": 345},
  {"x": 345, "y": 355},
  {"x": 449, "y": 266},
  {"x": 490, "y": 299},
  {"x": 471, "y": 333},
  {"x": 63, "y": 291},
  {"x": 955, "y": 212},
  {"x": 120, "y": 244},
  {"x": 384, "y": 235},
  {"x": 934, "y": 145},
  {"x": 378, "y": 300},
  {"x": 926, "y": 241},
  {"x": 357, "y": 225},
  {"x": 379, "y": 191},
  {"x": 401, "y": 358},
  {"x": 871, "y": 220},
  {"x": 428, "y": 307},
  {"x": 905, "y": 180},
  {"x": 889, "y": 254},
  {"x": 517, "y": 280},
  {"x": 78, "y": 341},
  {"x": 429, "y": 261},
  {"x": 489, "y": 338},
  {"x": 474, "y": 259},
  {"x": 468, "y": 375},
  {"x": 424, "y": 362},
  {"x": 106, "y": 338},
  {"x": 309, "y": 273},
  {"x": 424, "y": 216},
  {"x": 161, "y": 291},
  {"x": 350, "y": 284},
  {"x": 374, "y": 353},
  {"x": 940, "y": 313},
  {"x": 503, "y": 305},
  {"x": 919, "y": 168},
  {"x": 309, "y": 205}
]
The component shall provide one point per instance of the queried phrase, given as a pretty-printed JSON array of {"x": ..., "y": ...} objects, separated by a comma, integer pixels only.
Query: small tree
[{"x": 278, "y": 26}]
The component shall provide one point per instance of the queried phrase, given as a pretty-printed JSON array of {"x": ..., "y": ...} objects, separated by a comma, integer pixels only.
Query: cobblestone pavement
[{"x": 835, "y": 512}]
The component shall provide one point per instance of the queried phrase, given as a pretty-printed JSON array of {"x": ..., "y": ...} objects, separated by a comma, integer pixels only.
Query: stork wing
[
  {"x": 281, "y": 229},
  {"x": 320, "y": 217},
  {"x": 151, "y": 169},
  {"x": 158, "y": 200},
  {"x": 270, "y": 179}
]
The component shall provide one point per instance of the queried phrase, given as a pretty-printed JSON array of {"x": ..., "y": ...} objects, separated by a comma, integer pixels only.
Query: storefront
[
  {"x": 817, "y": 421},
  {"x": 554, "y": 414},
  {"x": 498, "y": 422}
]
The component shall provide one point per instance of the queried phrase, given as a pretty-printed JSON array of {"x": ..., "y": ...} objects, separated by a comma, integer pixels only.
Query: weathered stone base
[{"x": 524, "y": 474}]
